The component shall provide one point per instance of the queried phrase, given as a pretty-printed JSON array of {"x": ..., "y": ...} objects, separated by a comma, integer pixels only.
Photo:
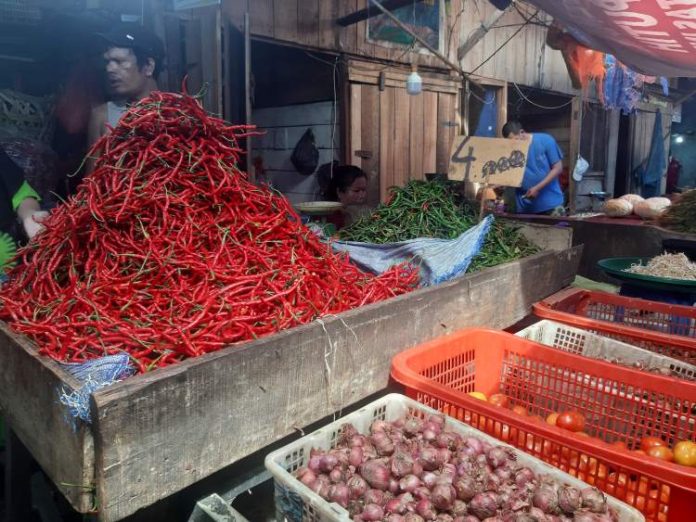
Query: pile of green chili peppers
[{"x": 435, "y": 209}]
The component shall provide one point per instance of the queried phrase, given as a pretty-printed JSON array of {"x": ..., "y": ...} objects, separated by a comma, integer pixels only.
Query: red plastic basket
[
  {"x": 619, "y": 404},
  {"x": 659, "y": 327}
]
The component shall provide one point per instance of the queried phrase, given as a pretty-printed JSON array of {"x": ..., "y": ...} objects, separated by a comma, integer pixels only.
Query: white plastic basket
[
  {"x": 588, "y": 344},
  {"x": 295, "y": 502}
]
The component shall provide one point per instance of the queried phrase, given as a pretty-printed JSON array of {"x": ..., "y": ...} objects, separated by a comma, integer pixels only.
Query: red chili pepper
[{"x": 167, "y": 251}]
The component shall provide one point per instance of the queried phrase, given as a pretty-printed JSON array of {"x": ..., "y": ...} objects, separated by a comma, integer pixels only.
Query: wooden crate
[{"x": 158, "y": 433}]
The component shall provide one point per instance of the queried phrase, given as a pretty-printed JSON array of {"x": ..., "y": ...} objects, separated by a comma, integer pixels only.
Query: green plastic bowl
[{"x": 615, "y": 267}]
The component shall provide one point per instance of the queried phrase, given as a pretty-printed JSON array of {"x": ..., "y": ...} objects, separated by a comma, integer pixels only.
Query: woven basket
[{"x": 25, "y": 116}]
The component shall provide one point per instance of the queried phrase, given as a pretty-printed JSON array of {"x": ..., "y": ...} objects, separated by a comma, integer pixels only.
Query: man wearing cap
[{"x": 133, "y": 60}]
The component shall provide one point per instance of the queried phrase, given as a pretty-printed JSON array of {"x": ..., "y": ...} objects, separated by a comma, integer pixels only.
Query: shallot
[
  {"x": 569, "y": 499},
  {"x": 416, "y": 470},
  {"x": 425, "y": 508},
  {"x": 373, "y": 513},
  {"x": 594, "y": 500},
  {"x": 484, "y": 505},
  {"x": 357, "y": 486},
  {"x": 376, "y": 474}
]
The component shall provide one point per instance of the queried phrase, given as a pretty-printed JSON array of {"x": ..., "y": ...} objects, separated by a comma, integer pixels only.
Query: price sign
[{"x": 495, "y": 161}]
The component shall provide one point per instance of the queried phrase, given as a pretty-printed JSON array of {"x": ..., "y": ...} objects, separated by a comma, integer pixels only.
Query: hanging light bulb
[{"x": 414, "y": 83}]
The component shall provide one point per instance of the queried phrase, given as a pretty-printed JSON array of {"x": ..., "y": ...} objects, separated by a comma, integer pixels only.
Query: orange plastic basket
[
  {"x": 659, "y": 327},
  {"x": 619, "y": 405}
]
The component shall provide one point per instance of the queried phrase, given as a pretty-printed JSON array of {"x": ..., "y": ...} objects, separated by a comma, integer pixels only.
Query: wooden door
[
  {"x": 194, "y": 45},
  {"x": 395, "y": 137}
]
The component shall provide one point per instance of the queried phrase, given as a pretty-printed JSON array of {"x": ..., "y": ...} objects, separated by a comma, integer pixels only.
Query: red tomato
[
  {"x": 571, "y": 420},
  {"x": 661, "y": 452},
  {"x": 499, "y": 399},
  {"x": 619, "y": 444},
  {"x": 520, "y": 410},
  {"x": 650, "y": 442},
  {"x": 685, "y": 453}
]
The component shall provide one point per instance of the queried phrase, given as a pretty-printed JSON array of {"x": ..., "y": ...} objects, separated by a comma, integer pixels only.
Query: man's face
[
  {"x": 122, "y": 71},
  {"x": 522, "y": 135}
]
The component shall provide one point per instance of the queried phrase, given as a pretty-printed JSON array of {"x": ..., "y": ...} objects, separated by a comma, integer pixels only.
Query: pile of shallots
[{"x": 414, "y": 470}]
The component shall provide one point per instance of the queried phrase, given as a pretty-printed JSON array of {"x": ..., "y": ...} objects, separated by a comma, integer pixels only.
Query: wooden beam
[
  {"x": 369, "y": 12},
  {"x": 685, "y": 97},
  {"x": 478, "y": 33}
]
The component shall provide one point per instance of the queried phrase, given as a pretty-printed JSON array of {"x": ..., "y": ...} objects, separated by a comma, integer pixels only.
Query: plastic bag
[
  {"x": 581, "y": 168},
  {"x": 305, "y": 157}
]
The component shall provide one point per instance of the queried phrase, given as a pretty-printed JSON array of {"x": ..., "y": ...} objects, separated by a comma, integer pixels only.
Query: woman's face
[{"x": 356, "y": 194}]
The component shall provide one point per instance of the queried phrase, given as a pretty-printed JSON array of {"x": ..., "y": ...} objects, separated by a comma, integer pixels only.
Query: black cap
[{"x": 134, "y": 36}]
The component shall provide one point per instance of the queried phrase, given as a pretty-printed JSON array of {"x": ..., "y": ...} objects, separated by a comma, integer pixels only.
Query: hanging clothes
[{"x": 657, "y": 163}]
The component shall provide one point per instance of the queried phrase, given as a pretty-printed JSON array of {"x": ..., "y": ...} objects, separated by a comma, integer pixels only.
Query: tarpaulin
[{"x": 654, "y": 37}]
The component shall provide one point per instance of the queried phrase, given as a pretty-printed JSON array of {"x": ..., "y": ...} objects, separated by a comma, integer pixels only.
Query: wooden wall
[
  {"x": 393, "y": 136},
  {"x": 525, "y": 60},
  {"x": 312, "y": 23}
]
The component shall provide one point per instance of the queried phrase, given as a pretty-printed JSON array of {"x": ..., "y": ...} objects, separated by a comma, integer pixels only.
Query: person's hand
[
  {"x": 532, "y": 193},
  {"x": 32, "y": 223}
]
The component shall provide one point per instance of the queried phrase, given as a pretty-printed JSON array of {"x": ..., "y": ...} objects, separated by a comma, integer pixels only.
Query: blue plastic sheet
[
  {"x": 439, "y": 260},
  {"x": 488, "y": 120},
  {"x": 93, "y": 375}
]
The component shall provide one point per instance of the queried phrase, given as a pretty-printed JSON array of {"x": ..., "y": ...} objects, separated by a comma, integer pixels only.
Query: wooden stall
[
  {"x": 394, "y": 137},
  {"x": 155, "y": 434}
]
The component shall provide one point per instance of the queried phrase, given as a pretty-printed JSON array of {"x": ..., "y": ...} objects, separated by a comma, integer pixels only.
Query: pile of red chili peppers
[{"x": 167, "y": 251}]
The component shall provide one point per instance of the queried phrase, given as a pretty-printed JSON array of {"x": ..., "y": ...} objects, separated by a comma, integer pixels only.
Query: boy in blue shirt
[{"x": 540, "y": 192}]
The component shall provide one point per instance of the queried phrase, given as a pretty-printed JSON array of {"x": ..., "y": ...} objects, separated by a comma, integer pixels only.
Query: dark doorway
[{"x": 623, "y": 160}]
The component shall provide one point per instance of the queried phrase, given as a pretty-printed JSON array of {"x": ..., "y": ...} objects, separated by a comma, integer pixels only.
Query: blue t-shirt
[{"x": 543, "y": 154}]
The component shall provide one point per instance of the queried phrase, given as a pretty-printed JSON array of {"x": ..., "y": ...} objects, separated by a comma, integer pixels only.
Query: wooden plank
[
  {"x": 261, "y": 15},
  {"x": 386, "y": 142},
  {"x": 233, "y": 11},
  {"x": 308, "y": 22},
  {"x": 501, "y": 97},
  {"x": 211, "y": 61},
  {"x": 445, "y": 132},
  {"x": 175, "y": 60},
  {"x": 370, "y": 141},
  {"x": 429, "y": 131},
  {"x": 363, "y": 45},
  {"x": 30, "y": 386},
  {"x": 328, "y": 30},
  {"x": 285, "y": 20},
  {"x": 399, "y": 84},
  {"x": 165, "y": 430},
  {"x": 193, "y": 65},
  {"x": 367, "y": 70},
  {"x": 416, "y": 138},
  {"x": 355, "y": 125},
  {"x": 347, "y": 36},
  {"x": 402, "y": 109}
]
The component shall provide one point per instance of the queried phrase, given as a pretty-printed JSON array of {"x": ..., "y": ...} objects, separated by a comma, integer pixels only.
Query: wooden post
[
  {"x": 612, "y": 149},
  {"x": 247, "y": 92},
  {"x": 501, "y": 98},
  {"x": 575, "y": 134}
]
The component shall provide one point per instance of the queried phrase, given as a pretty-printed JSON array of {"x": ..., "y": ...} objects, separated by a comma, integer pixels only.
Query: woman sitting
[{"x": 348, "y": 185}]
